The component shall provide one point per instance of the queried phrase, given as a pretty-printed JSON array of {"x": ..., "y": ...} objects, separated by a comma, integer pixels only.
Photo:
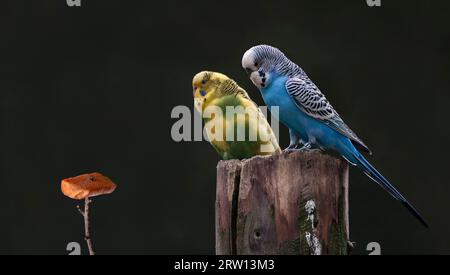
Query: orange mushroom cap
[{"x": 87, "y": 185}]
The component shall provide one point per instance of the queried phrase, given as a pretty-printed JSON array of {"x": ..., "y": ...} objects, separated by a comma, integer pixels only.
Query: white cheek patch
[{"x": 258, "y": 80}]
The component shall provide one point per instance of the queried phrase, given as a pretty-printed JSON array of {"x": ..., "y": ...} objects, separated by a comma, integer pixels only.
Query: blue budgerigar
[{"x": 311, "y": 119}]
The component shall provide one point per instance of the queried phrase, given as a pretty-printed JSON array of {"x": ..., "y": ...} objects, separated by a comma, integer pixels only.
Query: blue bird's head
[{"x": 263, "y": 63}]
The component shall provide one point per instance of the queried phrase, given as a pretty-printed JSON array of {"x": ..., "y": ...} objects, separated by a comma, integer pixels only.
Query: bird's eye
[
  {"x": 256, "y": 64},
  {"x": 203, "y": 81}
]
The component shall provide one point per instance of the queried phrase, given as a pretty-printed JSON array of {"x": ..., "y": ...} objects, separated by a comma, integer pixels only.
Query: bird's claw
[
  {"x": 293, "y": 148},
  {"x": 298, "y": 148}
]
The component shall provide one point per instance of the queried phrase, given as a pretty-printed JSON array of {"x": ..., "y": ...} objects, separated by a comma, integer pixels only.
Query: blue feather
[{"x": 322, "y": 136}]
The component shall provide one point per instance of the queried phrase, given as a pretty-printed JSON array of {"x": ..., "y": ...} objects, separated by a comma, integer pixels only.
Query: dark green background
[{"x": 92, "y": 88}]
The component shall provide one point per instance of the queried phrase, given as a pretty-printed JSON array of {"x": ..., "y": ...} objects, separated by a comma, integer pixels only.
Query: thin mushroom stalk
[{"x": 87, "y": 226}]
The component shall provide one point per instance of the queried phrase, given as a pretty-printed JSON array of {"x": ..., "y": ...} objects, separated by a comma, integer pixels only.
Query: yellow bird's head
[{"x": 206, "y": 86}]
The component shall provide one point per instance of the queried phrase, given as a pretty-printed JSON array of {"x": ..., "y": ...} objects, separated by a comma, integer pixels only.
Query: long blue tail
[{"x": 372, "y": 173}]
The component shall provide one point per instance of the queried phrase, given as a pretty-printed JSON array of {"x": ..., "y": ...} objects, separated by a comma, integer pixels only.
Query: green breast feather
[{"x": 243, "y": 148}]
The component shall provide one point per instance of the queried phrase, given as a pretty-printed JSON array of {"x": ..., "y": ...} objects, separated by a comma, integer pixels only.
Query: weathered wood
[
  {"x": 228, "y": 177},
  {"x": 293, "y": 203}
]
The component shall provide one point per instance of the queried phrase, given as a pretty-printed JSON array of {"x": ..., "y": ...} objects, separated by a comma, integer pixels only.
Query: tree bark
[{"x": 293, "y": 203}]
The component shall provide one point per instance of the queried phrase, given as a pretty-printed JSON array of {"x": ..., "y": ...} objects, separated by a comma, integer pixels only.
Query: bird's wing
[
  {"x": 312, "y": 102},
  {"x": 261, "y": 126}
]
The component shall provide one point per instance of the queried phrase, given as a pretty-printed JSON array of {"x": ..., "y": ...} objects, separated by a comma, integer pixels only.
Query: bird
[
  {"x": 312, "y": 121},
  {"x": 245, "y": 132}
]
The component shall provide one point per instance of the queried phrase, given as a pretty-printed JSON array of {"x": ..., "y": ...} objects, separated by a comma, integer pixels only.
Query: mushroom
[
  {"x": 84, "y": 187},
  {"x": 87, "y": 186}
]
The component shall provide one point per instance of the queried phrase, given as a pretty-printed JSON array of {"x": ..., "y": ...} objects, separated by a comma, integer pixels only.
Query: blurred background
[{"x": 92, "y": 89}]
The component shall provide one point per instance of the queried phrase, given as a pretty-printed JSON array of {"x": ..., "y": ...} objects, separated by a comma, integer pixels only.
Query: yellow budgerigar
[{"x": 234, "y": 125}]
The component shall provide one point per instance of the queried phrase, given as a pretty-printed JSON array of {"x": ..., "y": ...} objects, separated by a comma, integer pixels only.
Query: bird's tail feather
[{"x": 372, "y": 173}]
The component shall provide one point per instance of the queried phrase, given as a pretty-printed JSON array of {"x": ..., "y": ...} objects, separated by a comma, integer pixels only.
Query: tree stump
[{"x": 292, "y": 203}]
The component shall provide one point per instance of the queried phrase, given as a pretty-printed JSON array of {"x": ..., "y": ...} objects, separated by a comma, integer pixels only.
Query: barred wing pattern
[{"x": 311, "y": 101}]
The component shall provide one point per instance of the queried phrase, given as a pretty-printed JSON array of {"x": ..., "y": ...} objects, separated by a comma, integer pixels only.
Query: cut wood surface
[{"x": 293, "y": 203}]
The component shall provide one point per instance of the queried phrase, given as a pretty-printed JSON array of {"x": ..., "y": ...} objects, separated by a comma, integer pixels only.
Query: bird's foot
[
  {"x": 307, "y": 147},
  {"x": 293, "y": 148}
]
